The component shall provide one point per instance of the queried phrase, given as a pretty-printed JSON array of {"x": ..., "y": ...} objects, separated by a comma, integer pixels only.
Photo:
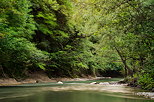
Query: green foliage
[
  {"x": 126, "y": 27},
  {"x": 70, "y": 61},
  {"x": 17, "y": 26},
  {"x": 78, "y": 37},
  {"x": 15, "y": 18},
  {"x": 41, "y": 65},
  {"x": 18, "y": 54},
  {"x": 146, "y": 81}
]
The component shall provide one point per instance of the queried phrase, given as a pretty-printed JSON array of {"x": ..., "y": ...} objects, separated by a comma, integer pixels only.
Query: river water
[{"x": 79, "y": 91}]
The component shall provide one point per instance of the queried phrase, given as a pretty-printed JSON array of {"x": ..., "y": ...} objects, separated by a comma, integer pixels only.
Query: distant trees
[
  {"x": 127, "y": 28},
  {"x": 123, "y": 33}
]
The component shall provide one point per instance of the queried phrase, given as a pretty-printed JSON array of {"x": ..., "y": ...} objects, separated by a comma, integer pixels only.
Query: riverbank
[
  {"x": 43, "y": 79},
  {"x": 147, "y": 94}
]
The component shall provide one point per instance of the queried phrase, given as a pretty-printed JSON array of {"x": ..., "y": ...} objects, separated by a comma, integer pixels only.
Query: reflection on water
[{"x": 69, "y": 92}]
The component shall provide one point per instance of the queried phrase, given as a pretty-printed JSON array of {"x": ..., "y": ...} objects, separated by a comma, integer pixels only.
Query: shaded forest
[{"x": 78, "y": 38}]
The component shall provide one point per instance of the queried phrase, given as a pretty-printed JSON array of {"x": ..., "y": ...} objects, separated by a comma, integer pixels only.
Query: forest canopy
[{"x": 77, "y": 38}]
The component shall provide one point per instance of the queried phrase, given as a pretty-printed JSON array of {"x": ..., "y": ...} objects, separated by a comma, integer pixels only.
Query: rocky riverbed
[{"x": 146, "y": 94}]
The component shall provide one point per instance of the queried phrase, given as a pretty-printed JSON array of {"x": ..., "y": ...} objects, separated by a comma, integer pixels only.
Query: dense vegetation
[{"x": 76, "y": 38}]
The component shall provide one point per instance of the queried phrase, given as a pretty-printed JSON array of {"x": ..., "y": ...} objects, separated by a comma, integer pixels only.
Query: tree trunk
[
  {"x": 3, "y": 74},
  {"x": 128, "y": 71}
]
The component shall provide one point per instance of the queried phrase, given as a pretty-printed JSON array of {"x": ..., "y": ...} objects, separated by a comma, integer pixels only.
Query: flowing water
[{"x": 80, "y": 91}]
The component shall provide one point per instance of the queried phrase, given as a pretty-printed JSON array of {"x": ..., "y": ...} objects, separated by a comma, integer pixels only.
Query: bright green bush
[{"x": 146, "y": 81}]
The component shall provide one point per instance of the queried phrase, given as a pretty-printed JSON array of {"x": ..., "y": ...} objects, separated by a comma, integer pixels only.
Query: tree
[{"x": 17, "y": 27}]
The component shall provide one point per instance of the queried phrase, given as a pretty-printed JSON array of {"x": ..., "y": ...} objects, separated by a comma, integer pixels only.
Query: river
[{"x": 78, "y": 91}]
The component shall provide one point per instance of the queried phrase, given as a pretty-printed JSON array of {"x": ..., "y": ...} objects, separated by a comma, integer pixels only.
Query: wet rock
[
  {"x": 93, "y": 83},
  {"x": 104, "y": 83},
  {"x": 146, "y": 94},
  {"x": 59, "y": 82}
]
